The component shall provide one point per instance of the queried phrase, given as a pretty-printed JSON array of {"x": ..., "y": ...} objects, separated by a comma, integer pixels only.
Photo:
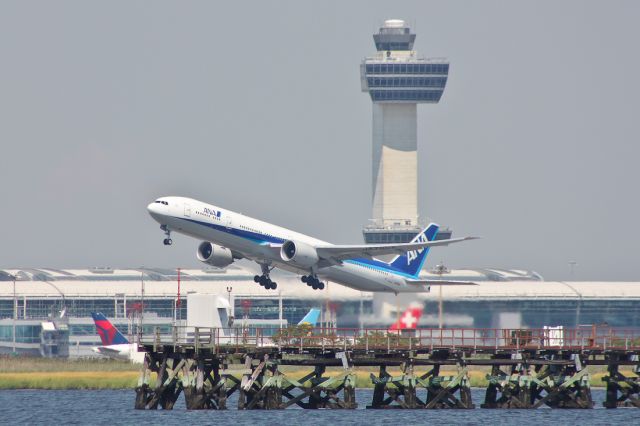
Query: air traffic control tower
[{"x": 397, "y": 80}]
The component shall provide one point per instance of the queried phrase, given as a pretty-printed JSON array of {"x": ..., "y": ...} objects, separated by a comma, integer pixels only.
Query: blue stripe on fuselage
[{"x": 256, "y": 237}]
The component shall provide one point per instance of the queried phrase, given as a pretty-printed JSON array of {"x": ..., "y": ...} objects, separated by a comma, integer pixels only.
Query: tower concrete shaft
[{"x": 395, "y": 165}]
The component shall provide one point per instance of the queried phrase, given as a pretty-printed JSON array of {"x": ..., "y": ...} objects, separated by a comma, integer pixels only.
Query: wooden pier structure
[{"x": 528, "y": 368}]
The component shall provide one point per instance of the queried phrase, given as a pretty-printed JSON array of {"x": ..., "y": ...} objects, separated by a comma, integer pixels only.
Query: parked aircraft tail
[
  {"x": 108, "y": 333},
  {"x": 409, "y": 319}
]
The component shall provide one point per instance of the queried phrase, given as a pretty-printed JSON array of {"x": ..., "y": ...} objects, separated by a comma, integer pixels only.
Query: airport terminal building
[{"x": 497, "y": 299}]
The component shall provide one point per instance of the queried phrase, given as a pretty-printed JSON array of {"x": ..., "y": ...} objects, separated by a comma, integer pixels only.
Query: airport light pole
[
  {"x": 229, "y": 290},
  {"x": 15, "y": 312},
  {"x": 440, "y": 269}
]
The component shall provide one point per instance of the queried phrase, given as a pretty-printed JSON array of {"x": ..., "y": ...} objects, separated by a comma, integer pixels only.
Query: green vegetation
[
  {"x": 70, "y": 380},
  {"x": 40, "y": 373},
  {"x": 17, "y": 364}
]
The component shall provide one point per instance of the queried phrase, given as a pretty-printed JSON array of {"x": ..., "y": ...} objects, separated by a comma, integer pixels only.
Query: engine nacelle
[
  {"x": 214, "y": 255},
  {"x": 300, "y": 254}
]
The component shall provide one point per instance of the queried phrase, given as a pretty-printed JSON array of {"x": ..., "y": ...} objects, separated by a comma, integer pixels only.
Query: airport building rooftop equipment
[{"x": 397, "y": 79}]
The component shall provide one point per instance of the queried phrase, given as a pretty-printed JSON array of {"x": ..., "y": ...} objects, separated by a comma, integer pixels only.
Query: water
[{"x": 116, "y": 407}]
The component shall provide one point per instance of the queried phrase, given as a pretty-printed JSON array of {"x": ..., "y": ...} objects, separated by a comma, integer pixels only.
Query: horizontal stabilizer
[
  {"x": 344, "y": 252},
  {"x": 107, "y": 351}
]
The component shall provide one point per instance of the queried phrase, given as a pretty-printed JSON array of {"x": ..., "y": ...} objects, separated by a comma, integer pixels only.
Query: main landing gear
[
  {"x": 167, "y": 241},
  {"x": 264, "y": 280},
  {"x": 313, "y": 282}
]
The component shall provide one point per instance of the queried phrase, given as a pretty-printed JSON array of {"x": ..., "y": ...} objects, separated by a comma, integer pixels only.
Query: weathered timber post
[
  {"x": 491, "y": 395},
  {"x": 142, "y": 390},
  {"x": 315, "y": 398},
  {"x": 379, "y": 387},
  {"x": 465, "y": 389},
  {"x": 349, "y": 391},
  {"x": 409, "y": 385},
  {"x": 611, "y": 400},
  {"x": 433, "y": 379},
  {"x": 622, "y": 391}
]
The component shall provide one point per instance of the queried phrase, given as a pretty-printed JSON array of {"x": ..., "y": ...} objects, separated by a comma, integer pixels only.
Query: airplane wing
[{"x": 342, "y": 252}]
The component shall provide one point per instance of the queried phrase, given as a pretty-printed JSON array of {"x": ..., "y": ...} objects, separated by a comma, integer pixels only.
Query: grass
[
  {"x": 41, "y": 373},
  {"x": 17, "y": 364},
  {"x": 69, "y": 380},
  {"x": 44, "y": 373}
]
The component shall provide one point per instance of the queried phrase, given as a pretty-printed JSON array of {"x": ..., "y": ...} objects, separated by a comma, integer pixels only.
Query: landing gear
[
  {"x": 264, "y": 280},
  {"x": 312, "y": 282},
  {"x": 167, "y": 241}
]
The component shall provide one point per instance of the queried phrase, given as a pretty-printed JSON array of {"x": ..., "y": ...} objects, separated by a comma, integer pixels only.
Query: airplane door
[
  {"x": 187, "y": 210},
  {"x": 227, "y": 221}
]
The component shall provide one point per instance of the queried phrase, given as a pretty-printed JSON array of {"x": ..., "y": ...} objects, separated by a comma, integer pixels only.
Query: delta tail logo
[{"x": 108, "y": 333}]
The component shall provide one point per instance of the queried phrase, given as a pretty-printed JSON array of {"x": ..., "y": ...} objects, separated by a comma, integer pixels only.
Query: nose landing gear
[
  {"x": 312, "y": 282},
  {"x": 167, "y": 241}
]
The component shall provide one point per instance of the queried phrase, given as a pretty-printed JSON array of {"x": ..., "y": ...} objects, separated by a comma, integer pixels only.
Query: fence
[{"x": 307, "y": 338}]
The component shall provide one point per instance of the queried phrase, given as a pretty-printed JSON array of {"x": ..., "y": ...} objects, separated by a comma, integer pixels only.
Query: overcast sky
[{"x": 256, "y": 107}]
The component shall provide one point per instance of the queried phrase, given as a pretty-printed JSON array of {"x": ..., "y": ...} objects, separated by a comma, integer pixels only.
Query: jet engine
[
  {"x": 300, "y": 254},
  {"x": 214, "y": 255}
]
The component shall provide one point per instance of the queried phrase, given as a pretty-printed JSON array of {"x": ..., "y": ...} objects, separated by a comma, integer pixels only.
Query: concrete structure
[{"x": 397, "y": 79}]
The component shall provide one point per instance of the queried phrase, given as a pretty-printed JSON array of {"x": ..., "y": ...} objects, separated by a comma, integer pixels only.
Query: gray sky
[{"x": 256, "y": 107}]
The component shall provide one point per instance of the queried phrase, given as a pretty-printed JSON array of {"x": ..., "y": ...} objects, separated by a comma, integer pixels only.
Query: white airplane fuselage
[
  {"x": 124, "y": 351},
  {"x": 254, "y": 239}
]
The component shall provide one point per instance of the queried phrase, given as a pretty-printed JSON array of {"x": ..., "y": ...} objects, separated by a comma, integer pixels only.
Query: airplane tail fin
[
  {"x": 409, "y": 319},
  {"x": 108, "y": 333},
  {"x": 311, "y": 318},
  {"x": 411, "y": 262}
]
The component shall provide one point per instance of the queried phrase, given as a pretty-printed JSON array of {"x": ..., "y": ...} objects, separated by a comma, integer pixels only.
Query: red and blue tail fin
[
  {"x": 412, "y": 262},
  {"x": 108, "y": 333}
]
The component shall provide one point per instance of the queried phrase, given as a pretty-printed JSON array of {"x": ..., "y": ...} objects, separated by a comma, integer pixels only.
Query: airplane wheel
[
  {"x": 304, "y": 279},
  {"x": 314, "y": 286},
  {"x": 256, "y": 278},
  {"x": 170, "y": 241},
  {"x": 167, "y": 241},
  {"x": 274, "y": 285},
  {"x": 264, "y": 281},
  {"x": 321, "y": 286}
]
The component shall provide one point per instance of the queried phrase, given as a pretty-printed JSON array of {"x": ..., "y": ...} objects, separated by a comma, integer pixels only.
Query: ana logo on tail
[
  {"x": 409, "y": 319},
  {"x": 411, "y": 263},
  {"x": 413, "y": 254}
]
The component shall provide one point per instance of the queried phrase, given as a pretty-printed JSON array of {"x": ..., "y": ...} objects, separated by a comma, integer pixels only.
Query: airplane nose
[{"x": 156, "y": 210}]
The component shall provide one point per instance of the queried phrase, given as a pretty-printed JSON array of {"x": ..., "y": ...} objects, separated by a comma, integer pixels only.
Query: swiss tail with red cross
[{"x": 409, "y": 319}]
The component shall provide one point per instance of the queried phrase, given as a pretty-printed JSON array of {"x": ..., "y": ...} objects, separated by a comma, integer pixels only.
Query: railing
[{"x": 382, "y": 339}]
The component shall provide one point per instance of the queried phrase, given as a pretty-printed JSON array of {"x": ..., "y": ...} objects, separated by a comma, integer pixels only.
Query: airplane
[
  {"x": 408, "y": 320},
  {"x": 311, "y": 317},
  {"x": 114, "y": 344},
  {"x": 228, "y": 236}
]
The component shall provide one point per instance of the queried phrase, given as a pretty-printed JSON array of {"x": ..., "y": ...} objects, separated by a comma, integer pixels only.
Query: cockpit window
[{"x": 161, "y": 202}]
